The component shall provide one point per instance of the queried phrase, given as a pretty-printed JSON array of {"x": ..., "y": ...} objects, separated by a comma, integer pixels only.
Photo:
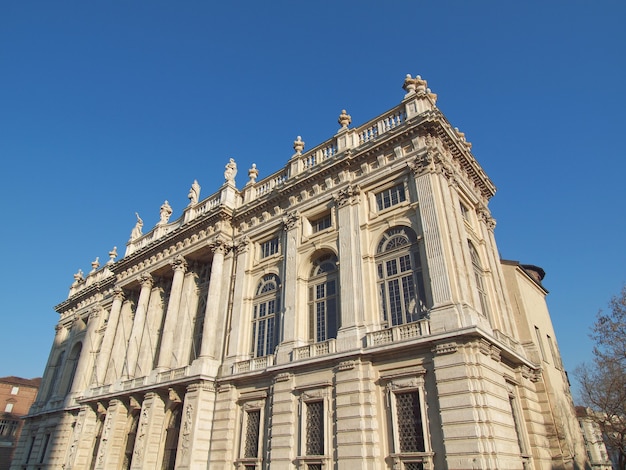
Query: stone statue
[
  {"x": 166, "y": 212},
  {"x": 231, "y": 171},
  {"x": 136, "y": 233},
  {"x": 194, "y": 193}
]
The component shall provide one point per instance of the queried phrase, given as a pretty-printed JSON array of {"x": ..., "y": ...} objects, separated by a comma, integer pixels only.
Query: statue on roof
[
  {"x": 194, "y": 193},
  {"x": 166, "y": 212},
  {"x": 136, "y": 233},
  {"x": 231, "y": 171}
]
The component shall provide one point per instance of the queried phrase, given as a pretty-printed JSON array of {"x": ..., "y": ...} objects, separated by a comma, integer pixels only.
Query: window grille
[
  {"x": 315, "y": 428},
  {"x": 253, "y": 425},
  {"x": 410, "y": 428}
]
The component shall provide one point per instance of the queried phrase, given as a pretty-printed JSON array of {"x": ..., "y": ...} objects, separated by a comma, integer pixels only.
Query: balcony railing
[
  {"x": 256, "y": 363},
  {"x": 399, "y": 333},
  {"x": 314, "y": 350}
]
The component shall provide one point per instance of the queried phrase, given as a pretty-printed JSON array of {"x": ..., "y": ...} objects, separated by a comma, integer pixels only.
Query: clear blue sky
[{"x": 107, "y": 108}]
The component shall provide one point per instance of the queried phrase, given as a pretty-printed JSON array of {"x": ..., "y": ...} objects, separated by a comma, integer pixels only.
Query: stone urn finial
[
  {"x": 253, "y": 173},
  {"x": 112, "y": 255},
  {"x": 298, "y": 145},
  {"x": 414, "y": 85},
  {"x": 344, "y": 119},
  {"x": 95, "y": 264}
]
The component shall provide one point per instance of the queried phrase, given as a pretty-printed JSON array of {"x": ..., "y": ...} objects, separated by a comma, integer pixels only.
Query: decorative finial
[
  {"x": 95, "y": 264},
  {"x": 165, "y": 213},
  {"x": 112, "y": 255},
  {"x": 344, "y": 119},
  {"x": 231, "y": 171},
  {"x": 414, "y": 85},
  {"x": 79, "y": 277},
  {"x": 298, "y": 145},
  {"x": 194, "y": 193},
  {"x": 252, "y": 174}
]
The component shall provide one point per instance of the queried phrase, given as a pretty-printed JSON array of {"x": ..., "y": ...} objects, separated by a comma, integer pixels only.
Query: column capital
[
  {"x": 291, "y": 220},
  {"x": 118, "y": 293},
  {"x": 146, "y": 280},
  {"x": 179, "y": 263},
  {"x": 218, "y": 245},
  {"x": 348, "y": 196}
]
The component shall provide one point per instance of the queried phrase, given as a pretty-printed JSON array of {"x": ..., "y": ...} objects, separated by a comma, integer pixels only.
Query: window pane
[
  {"x": 395, "y": 303},
  {"x": 251, "y": 446}
]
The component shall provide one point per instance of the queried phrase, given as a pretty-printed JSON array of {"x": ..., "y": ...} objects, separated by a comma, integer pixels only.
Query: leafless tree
[{"x": 603, "y": 382}]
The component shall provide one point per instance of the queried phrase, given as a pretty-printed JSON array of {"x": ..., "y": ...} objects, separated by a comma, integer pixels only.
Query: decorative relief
[
  {"x": 146, "y": 280},
  {"x": 348, "y": 195},
  {"x": 179, "y": 263},
  {"x": 243, "y": 244},
  {"x": 186, "y": 428},
  {"x": 203, "y": 386},
  {"x": 291, "y": 220},
  {"x": 141, "y": 435},
  {"x": 346, "y": 365},
  {"x": 282, "y": 377}
]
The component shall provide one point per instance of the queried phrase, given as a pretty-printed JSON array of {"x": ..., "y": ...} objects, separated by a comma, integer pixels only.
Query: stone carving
[
  {"x": 143, "y": 427},
  {"x": 349, "y": 195},
  {"x": 136, "y": 233},
  {"x": 112, "y": 255},
  {"x": 414, "y": 85},
  {"x": 166, "y": 212},
  {"x": 79, "y": 277},
  {"x": 344, "y": 119},
  {"x": 194, "y": 193},
  {"x": 298, "y": 145},
  {"x": 291, "y": 220},
  {"x": 252, "y": 174},
  {"x": 95, "y": 264},
  {"x": 231, "y": 171},
  {"x": 179, "y": 263},
  {"x": 187, "y": 428}
]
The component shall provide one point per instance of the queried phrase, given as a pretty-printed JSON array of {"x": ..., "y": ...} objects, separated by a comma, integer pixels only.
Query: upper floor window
[
  {"x": 266, "y": 305},
  {"x": 323, "y": 299},
  {"x": 15, "y": 390},
  {"x": 321, "y": 223},
  {"x": 480, "y": 281},
  {"x": 390, "y": 197},
  {"x": 464, "y": 212},
  {"x": 269, "y": 248},
  {"x": 400, "y": 279}
]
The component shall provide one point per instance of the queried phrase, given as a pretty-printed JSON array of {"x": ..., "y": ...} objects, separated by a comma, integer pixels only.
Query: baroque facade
[{"x": 348, "y": 311}]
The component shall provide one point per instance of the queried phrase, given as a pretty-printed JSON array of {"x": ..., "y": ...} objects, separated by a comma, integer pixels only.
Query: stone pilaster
[
  {"x": 290, "y": 334},
  {"x": 350, "y": 272},
  {"x": 148, "y": 444},
  {"x": 117, "y": 361},
  {"x": 166, "y": 356},
  {"x": 132, "y": 352},
  {"x": 197, "y": 420},
  {"x": 223, "y": 439},
  {"x": 109, "y": 455},
  {"x": 239, "y": 348},
  {"x": 357, "y": 432},
  {"x": 151, "y": 333},
  {"x": 284, "y": 431},
  {"x": 109, "y": 336}
]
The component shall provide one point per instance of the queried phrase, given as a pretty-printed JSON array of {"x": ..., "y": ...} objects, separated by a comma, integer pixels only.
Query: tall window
[
  {"x": 269, "y": 247},
  {"x": 251, "y": 444},
  {"x": 400, "y": 279},
  {"x": 266, "y": 305},
  {"x": 323, "y": 299},
  {"x": 131, "y": 436},
  {"x": 480, "y": 279},
  {"x": 171, "y": 438},
  {"x": 56, "y": 372}
]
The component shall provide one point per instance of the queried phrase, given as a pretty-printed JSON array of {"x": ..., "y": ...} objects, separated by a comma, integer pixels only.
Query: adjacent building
[
  {"x": 16, "y": 397},
  {"x": 347, "y": 311}
]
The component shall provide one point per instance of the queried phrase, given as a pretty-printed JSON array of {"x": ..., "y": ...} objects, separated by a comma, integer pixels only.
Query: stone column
[
  {"x": 114, "y": 426},
  {"x": 82, "y": 377},
  {"x": 210, "y": 341},
  {"x": 290, "y": 330},
  {"x": 148, "y": 351},
  {"x": 184, "y": 326},
  {"x": 109, "y": 336},
  {"x": 53, "y": 368},
  {"x": 350, "y": 272},
  {"x": 132, "y": 352},
  {"x": 238, "y": 348},
  {"x": 179, "y": 265},
  {"x": 116, "y": 365}
]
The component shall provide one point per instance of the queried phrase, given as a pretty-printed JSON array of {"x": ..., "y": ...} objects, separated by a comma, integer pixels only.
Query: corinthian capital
[
  {"x": 179, "y": 263},
  {"x": 146, "y": 280},
  {"x": 291, "y": 220},
  {"x": 349, "y": 195}
]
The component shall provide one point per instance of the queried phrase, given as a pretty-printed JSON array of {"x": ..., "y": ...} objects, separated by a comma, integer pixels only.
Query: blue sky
[{"x": 107, "y": 108}]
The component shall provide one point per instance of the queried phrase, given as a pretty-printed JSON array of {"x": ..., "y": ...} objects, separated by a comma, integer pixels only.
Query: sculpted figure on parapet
[
  {"x": 136, "y": 233},
  {"x": 194, "y": 193},
  {"x": 231, "y": 171},
  {"x": 166, "y": 212}
]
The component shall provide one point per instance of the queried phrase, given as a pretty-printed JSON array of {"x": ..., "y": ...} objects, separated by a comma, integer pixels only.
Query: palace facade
[{"x": 348, "y": 311}]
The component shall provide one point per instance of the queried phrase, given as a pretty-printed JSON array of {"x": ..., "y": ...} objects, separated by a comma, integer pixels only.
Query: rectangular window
[
  {"x": 8, "y": 408},
  {"x": 540, "y": 344},
  {"x": 15, "y": 390},
  {"x": 30, "y": 449},
  {"x": 251, "y": 435},
  {"x": 321, "y": 223},
  {"x": 8, "y": 427},
  {"x": 555, "y": 354},
  {"x": 390, "y": 197},
  {"x": 410, "y": 430},
  {"x": 42, "y": 456},
  {"x": 269, "y": 247}
]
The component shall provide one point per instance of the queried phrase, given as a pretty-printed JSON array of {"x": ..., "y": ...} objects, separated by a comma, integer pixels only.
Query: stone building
[
  {"x": 16, "y": 397},
  {"x": 348, "y": 311},
  {"x": 594, "y": 441}
]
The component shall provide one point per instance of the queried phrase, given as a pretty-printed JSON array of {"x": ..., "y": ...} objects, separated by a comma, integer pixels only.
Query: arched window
[
  {"x": 266, "y": 307},
  {"x": 480, "y": 279},
  {"x": 170, "y": 444},
  {"x": 323, "y": 299},
  {"x": 400, "y": 280}
]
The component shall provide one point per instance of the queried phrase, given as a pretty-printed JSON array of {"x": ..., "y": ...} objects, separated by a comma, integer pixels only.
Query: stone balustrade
[{"x": 399, "y": 333}]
